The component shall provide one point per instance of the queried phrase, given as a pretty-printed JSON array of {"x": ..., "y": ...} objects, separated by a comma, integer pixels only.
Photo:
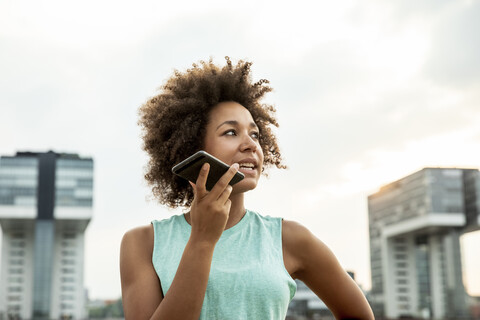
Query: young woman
[{"x": 220, "y": 260}]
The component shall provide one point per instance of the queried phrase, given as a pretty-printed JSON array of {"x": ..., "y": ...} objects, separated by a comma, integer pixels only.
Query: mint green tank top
[{"x": 248, "y": 279}]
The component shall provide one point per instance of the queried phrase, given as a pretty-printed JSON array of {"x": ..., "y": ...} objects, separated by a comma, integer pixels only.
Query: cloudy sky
[{"x": 366, "y": 92}]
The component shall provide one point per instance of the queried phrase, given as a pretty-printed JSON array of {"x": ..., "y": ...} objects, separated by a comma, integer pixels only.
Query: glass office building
[
  {"x": 45, "y": 207},
  {"x": 415, "y": 226}
]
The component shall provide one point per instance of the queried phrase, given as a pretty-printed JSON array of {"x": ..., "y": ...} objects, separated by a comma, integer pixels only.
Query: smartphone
[{"x": 190, "y": 168}]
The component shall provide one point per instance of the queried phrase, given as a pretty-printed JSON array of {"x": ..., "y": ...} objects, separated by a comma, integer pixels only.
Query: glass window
[
  {"x": 68, "y": 253},
  {"x": 14, "y": 243},
  {"x": 68, "y": 262},
  {"x": 68, "y": 270},
  {"x": 67, "y": 297},
  {"x": 17, "y": 235},
  {"x": 69, "y": 235},
  {"x": 67, "y": 279},
  {"x": 16, "y": 262},
  {"x": 67, "y": 288},
  {"x": 14, "y": 298},
  {"x": 15, "y": 271},
  {"x": 15, "y": 279},
  {"x": 16, "y": 253},
  {"x": 66, "y": 306}
]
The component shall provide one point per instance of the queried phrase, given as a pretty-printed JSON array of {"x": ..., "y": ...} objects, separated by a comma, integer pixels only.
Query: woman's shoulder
[
  {"x": 139, "y": 239},
  {"x": 293, "y": 231},
  {"x": 300, "y": 241}
]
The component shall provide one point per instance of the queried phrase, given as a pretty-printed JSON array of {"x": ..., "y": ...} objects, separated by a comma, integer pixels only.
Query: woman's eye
[
  {"x": 255, "y": 135},
  {"x": 230, "y": 132}
]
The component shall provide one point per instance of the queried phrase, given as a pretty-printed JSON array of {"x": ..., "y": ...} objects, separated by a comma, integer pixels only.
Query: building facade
[
  {"x": 45, "y": 207},
  {"x": 415, "y": 226}
]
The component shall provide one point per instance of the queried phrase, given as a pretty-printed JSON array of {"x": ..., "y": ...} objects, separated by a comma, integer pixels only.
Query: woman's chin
[{"x": 244, "y": 186}]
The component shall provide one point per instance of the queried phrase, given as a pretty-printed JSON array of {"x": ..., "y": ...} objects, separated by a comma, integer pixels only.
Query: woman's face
[{"x": 233, "y": 137}]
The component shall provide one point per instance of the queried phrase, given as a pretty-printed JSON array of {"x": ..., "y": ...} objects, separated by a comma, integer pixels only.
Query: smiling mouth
[{"x": 247, "y": 166}]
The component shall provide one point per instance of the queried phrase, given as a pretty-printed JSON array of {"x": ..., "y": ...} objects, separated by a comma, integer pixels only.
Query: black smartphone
[{"x": 190, "y": 168}]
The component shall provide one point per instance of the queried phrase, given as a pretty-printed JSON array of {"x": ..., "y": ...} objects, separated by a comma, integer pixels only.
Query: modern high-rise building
[
  {"x": 45, "y": 207},
  {"x": 415, "y": 226}
]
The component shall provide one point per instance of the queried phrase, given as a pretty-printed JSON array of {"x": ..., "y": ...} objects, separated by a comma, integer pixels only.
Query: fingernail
[
  {"x": 205, "y": 166},
  {"x": 236, "y": 166}
]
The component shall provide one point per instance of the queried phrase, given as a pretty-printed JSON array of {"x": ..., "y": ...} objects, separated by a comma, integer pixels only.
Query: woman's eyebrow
[{"x": 235, "y": 123}]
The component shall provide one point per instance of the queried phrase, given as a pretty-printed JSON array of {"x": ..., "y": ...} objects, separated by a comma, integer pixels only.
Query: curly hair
[{"x": 174, "y": 121}]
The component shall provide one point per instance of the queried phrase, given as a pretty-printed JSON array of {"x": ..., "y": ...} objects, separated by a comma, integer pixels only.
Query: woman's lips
[{"x": 248, "y": 171}]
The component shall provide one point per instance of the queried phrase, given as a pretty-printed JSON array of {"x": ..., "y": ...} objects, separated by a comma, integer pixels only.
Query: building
[
  {"x": 415, "y": 226},
  {"x": 45, "y": 207}
]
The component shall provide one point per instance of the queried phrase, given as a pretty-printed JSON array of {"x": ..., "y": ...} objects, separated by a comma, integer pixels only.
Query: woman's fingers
[
  {"x": 222, "y": 184},
  {"x": 225, "y": 195},
  {"x": 200, "y": 185}
]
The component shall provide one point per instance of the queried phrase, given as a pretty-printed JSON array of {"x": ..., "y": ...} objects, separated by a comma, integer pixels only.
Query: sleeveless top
[{"x": 248, "y": 278}]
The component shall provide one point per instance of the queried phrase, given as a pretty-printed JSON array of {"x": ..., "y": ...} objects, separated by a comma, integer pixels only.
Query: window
[
  {"x": 15, "y": 270},
  {"x": 64, "y": 306},
  {"x": 15, "y": 279},
  {"x": 68, "y": 253},
  {"x": 68, "y": 262},
  {"x": 14, "y": 289},
  {"x": 68, "y": 270},
  {"x": 13, "y": 308},
  {"x": 16, "y": 253},
  {"x": 68, "y": 279},
  {"x": 16, "y": 244},
  {"x": 17, "y": 235},
  {"x": 14, "y": 298},
  {"x": 66, "y": 288},
  {"x": 403, "y": 306}
]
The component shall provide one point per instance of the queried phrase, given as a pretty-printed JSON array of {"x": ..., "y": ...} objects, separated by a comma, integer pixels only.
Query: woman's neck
[{"x": 237, "y": 209}]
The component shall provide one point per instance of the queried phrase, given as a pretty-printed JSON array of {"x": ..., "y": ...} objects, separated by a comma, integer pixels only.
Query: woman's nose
[{"x": 248, "y": 143}]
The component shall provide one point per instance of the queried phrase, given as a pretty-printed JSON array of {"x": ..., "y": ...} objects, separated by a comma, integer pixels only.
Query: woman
[{"x": 219, "y": 260}]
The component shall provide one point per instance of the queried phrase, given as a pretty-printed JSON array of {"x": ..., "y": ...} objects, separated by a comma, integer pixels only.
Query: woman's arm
[
  {"x": 320, "y": 270},
  {"x": 141, "y": 291}
]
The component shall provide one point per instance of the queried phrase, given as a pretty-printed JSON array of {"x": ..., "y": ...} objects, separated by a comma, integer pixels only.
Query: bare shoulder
[
  {"x": 141, "y": 288},
  {"x": 293, "y": 230},
  {"x": 299, "y": 245},
  {"x": 139, "y": 235},
  {"x": 136, "y": 247},
  {"x": 298, "y": 238}
]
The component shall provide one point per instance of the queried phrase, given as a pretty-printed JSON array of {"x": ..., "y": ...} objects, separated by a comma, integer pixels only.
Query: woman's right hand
[{"x": 210, "y": 210}]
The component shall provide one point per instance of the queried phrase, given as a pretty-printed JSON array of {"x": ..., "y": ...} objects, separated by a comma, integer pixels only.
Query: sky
[{"x": 366, "y": 92}]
